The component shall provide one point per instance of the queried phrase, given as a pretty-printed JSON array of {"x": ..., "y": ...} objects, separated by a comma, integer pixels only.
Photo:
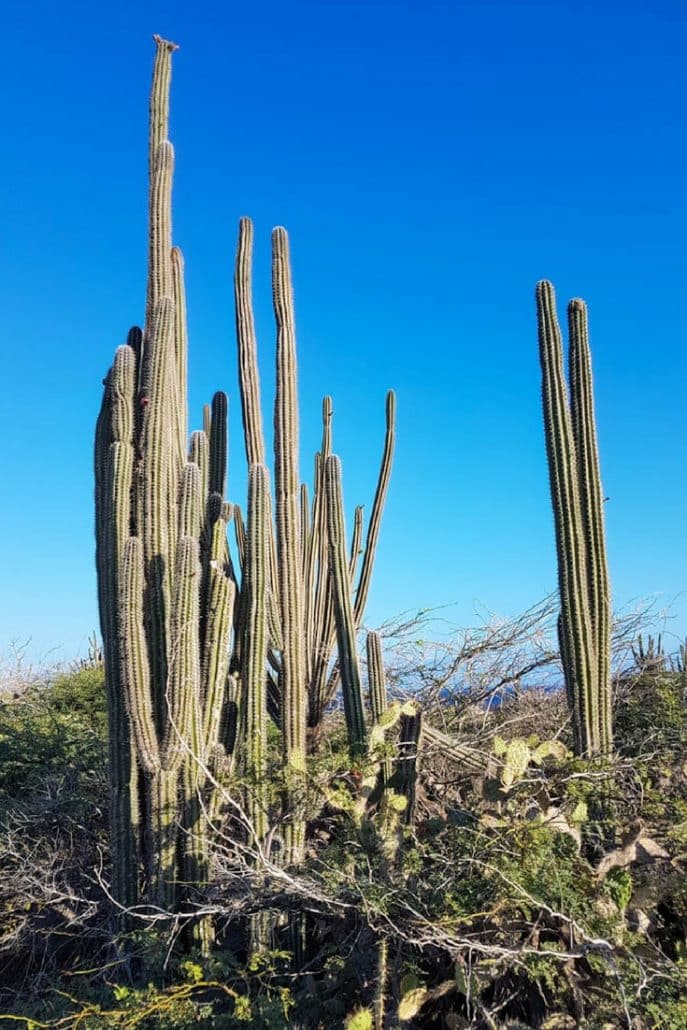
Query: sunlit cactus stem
[
  {"x": 287, "y": 485},
  {"x": 343, "y": 607},
  {"x": 592, "y": 507},
  {"x": 255, "y": 650},
  {"x": 377, "y": 685},
  {"x": 577, "y": 498},
  {"x": 165, "y": 588}
]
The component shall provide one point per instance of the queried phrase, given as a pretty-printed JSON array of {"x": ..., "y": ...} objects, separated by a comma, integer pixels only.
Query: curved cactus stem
[
  {"x": 343, "y": 607},
  {"x": 356, "y": 541},
  {"x": 375, "y": 523},
  {"x": 371, "y": 539}
]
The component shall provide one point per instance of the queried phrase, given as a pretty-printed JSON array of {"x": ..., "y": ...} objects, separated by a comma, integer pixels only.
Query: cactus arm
[
  {"x": 240, "y": 534},
  {"x": 216, "y": 654},
  {"x": 591, "y": 503},
  {"x": 305, "y": 532},
  {"x": 190, "y": 506},
  {"x": 121, "y": 768},
  {"x": 328, "y": 690},
  {"x": 320, "y": 547},
  {"x": 377, "y": 509},
  {"x": 159, "y": 529},
  {"x": 135, "y": 664},
  {"x": 158, "y": 125},
  {"x": 183, "y": 694},
  {"x": 218, "y": 445},
  {"x": 249, "y": 377},
  {"x": 286, "y": 481},
  {"x": 356, "y": 540},
  {"x": 160, "y": 279},
  {"x": 343, "y": 607},
  {"x": 199, "y": 454},
  {"x": 249, "y": 389},
  {"x": 255, "y": 658},
  {"x": 377, "y": 684},
  {"x": 180, "y": 345}
]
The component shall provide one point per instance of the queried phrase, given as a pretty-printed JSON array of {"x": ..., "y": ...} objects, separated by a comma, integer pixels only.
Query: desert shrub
[
  {"x": 494, "y": 914},
  {"x": 53, "y": 805}
]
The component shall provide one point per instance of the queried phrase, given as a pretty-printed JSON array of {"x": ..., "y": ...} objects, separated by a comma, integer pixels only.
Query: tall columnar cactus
[
  {"x": 300, "y": 606},
  {"x": 255, "y": 655},
  {"x": 343, "y": 607},
  {"x": 286, "y": 486},
  {"x": 166, "y": 586},
  {"x": 317, "y": 613},
  {"x": 577, "y": 497},
  {"x": 194, "y": 658}
]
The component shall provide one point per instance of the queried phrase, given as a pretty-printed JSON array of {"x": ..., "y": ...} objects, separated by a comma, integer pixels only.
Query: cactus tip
[{"x": 165, "y": 43}]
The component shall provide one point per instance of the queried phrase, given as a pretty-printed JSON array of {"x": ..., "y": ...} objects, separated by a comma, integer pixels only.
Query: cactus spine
[{"x": 576, "y": 493}]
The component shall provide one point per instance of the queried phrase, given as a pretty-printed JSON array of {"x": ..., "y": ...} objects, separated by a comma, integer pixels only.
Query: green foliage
[{"x": 57, "y": 729}]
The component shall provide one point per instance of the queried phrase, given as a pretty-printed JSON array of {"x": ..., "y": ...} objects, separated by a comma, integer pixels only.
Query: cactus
[
  {"x": 652, "y": 657},
  {"x": 166, "y": 587},
  {"x": 300, "y": 607},
  {"x": 576, "y": 493},
  {"x": 343, "y": 608},
  {"x": 197, "y": 652},
  {"x": 255, "y": 657}
]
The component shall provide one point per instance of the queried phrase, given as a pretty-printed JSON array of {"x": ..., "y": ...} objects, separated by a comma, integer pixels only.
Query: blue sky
[{"x": 431, "y": 162}]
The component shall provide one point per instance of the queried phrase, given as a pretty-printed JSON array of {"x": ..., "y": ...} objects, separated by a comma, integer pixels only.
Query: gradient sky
[{"x": 431, "y": 162}]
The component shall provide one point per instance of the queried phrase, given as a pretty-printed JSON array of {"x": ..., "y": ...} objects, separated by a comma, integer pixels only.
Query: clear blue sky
[{"x": 431, "y": 162}]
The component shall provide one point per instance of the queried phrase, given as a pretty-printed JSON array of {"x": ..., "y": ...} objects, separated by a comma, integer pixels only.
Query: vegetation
[
  {"x": 196, "y": 832},
  {"x": 487, "y": 909}
]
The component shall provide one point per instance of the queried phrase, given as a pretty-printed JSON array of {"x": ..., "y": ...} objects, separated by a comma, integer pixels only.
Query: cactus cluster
[
  {"x": 577, "y": 498},
  {"x": 200, "y": 649},
  {"x": 307, "y": 566},
  {"x": 167, "y": 587}
]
